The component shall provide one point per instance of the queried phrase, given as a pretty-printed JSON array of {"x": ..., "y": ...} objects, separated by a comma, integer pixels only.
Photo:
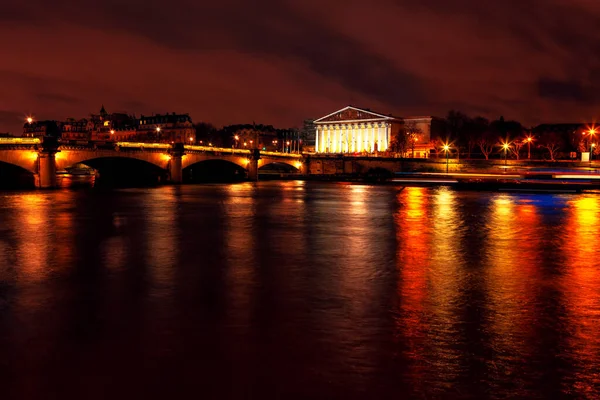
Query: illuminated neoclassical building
[{"x": 355, "y": 130}]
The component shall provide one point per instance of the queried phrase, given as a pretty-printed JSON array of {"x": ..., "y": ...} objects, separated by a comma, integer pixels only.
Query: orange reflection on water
[
  {"x": 512, "y": 285},
  {"x": 413, "y": 238},
  {"x": 580, "y": 286},
  {"x": 162, "y": 236},
  {"x": 32, "y": 213}
]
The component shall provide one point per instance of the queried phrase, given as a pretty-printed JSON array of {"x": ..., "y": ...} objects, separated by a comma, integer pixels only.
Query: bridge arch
[
  {"x": 294, "y": 163},
  {"x": 214, "y": 169},
  {"x": 24, "y": 159},
  {"x": 67, "y": 158},
  {"x": 190, "y": 159}
]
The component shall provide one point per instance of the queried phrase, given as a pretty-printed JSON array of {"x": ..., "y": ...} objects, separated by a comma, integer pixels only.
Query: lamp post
[
  {"x": 505, "y": 146},
  {"x": 528, "y": 140},
  {"x": 446, "y": 149},
  {"x": 592, "y": 132},
  {"x": 237, "y": 141}
]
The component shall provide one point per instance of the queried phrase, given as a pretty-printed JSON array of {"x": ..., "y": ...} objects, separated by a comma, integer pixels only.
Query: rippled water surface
[{"x": 298, "y": 290}]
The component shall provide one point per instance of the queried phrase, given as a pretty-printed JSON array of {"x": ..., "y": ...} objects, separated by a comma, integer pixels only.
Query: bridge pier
[
  {"x": 253, "y": 165},
  {"x": 46, "y": 171},
  {"x": 175, "y": 165}
]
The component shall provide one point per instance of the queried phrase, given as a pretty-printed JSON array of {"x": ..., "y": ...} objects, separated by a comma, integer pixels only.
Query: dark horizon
[{"x": 280, "y": 63}]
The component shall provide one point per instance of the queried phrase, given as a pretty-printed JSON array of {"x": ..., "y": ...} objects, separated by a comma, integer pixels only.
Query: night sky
[{"x": 279, "y": 62}]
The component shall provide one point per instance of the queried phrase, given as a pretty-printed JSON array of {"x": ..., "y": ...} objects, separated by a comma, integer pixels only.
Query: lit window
[{"x": 106, "y": 123}]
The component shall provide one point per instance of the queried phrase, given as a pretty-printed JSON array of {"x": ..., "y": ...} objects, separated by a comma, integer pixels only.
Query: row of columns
[{"x": 352, "y": 137}]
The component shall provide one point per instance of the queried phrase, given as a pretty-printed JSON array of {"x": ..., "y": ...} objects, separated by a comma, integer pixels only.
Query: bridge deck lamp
[
  {"x": 112, "y": 131},
  {"x": 447, "y": 150}
]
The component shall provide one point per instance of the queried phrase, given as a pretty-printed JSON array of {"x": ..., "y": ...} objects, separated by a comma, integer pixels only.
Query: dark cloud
[
  {"x": 561, "y": 90},
  {"x": 59, "y": 98},
  {"x": 271, "y": 29},
  {"x": 10, "y": 118}
]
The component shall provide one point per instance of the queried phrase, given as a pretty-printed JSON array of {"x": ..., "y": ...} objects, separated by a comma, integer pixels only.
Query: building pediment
[{"x": 353, "y": 114}]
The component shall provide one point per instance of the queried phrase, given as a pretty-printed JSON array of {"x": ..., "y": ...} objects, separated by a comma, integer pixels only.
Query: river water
[{"x": 298, "y": 290}]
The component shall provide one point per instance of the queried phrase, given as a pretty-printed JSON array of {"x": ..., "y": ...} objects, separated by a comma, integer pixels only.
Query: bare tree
[
  {"x": 486, "y": 144},
  {"x": 436, "y": 145},
  {"x": 412, "y": 132},
  {"x": 516, "y": 147},
  {"x": 475, "y": 129},
  {"x": 553, "y": 143}
]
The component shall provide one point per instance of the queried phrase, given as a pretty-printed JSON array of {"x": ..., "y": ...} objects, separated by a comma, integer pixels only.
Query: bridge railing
[
  {"x": 278, "y": 154},
  {"x": 217, "y": 149},
  {"x": 144, "y": 145},
  {"x": 25, "y": 140}
]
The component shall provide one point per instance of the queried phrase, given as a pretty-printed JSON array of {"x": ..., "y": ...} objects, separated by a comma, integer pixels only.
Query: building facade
[
  {"x": 168, "y": 128},
  {"x": 362, "y": 131},
  {"x": 115, "y": 127}
]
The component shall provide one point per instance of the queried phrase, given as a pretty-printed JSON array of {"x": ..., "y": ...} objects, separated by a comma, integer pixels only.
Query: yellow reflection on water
[{"x": 580, "y": 286}]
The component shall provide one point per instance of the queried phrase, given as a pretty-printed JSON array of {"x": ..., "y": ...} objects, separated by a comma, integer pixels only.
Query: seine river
[{"x": 298, "y": 290}]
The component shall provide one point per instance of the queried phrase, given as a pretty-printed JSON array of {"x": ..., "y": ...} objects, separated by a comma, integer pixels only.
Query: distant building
[
  {"x": 104, "y": 126},
  {"x": 253, "y": 136},
  {"x": 169, "y": 128},
  {"x": 42, "y": 128},
  {"x": 357, "y": 130}
]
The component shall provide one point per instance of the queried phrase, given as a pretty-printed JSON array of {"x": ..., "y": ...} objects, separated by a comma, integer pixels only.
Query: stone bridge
[{"x": 44, "y": 158}]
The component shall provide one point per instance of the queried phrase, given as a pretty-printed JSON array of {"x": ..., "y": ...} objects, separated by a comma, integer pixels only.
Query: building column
[
  {"x": 373, "y": 137},
  {"x": 175, "y": 165},
  {"x": 387, "y": 136},
  {"x": 317, "y": 140},
  {"x": 332, "y": 145}
]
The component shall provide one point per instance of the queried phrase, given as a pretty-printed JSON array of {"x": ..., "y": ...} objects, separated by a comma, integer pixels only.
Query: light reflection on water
[{"x": 299, "y": 290}]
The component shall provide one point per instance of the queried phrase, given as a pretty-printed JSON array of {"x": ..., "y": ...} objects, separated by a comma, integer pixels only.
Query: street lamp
[
  {"x": 528, "y": 140},
  {"x": 446, "y": 149},
  {"x": 29, "y": 120},
  {"x": 288, "y": 146},
  {"x": 505, "y": 146},
  {"x": 112, "y": 131},
  {"x": 592, "y": 151},
  {"x": 592, "y": 132}
]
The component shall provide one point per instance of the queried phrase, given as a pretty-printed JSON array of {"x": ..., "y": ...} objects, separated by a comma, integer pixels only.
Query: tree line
[{"x": 479, "y": 137}]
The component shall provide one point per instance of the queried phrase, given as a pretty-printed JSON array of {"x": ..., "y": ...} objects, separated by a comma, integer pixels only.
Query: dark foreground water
[{"x": 297, "y": 290}]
